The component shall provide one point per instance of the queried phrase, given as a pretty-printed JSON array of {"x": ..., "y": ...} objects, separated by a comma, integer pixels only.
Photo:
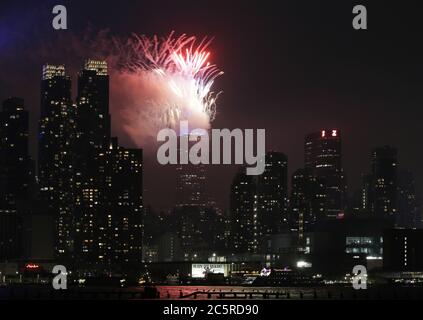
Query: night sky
[{"x": 290, "y": 68}]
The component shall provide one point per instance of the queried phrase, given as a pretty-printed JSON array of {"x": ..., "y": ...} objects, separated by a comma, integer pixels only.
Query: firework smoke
[
  {"x": 163, "y": 81},
  {"x": 154, "y": 82}
]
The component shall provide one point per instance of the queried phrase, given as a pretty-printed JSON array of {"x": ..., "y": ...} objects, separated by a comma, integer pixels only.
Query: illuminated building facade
[
  {"x": 123, "y": 191},
  {"x": 92, "y": 137},
  {"x": 190, "y": 208},
  {"x": 56, "y": 153},
  {"x": 307, "y": 202},
  {"x": 94, "y": 185},
  {"x": 272, "y": 194},
  {"x": 93, "y": 105},
  {"x": 108, "y": 188},
  {"x": 323, "y": 157},
  {"x": 190, "y": 179},
  {"x": 190, "y": 185},
  {"x": 380, "y": 188},
  {"x": 245, "y": 231},
  {"x": 191, "y": 228}
]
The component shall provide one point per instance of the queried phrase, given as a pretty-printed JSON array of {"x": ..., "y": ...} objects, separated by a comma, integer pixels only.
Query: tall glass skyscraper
[
  {"x": 272, "y": 194},
  {"x": 93, "y": 185},
  {"x": 56, "y": 153},
  {"x": 324, "y": 158}
]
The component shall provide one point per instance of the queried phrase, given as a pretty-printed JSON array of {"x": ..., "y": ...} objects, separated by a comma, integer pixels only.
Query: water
[
  {"x": 211, "y": 292},
  {"x": 294, "y": 293}
]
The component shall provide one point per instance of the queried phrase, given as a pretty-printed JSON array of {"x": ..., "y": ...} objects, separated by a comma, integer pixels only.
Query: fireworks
[{"x": 175, "y": 79}]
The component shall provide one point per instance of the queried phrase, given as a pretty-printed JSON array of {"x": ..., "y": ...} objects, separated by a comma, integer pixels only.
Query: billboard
[{"x": 199, "y": 270}]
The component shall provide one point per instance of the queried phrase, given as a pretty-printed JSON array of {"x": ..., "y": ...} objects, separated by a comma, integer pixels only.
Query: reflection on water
[
  {"x": 240, "y": 292},
  {"x": 209, "y": 292}
]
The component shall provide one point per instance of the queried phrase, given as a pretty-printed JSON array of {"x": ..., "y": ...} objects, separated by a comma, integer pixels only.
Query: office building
[
  {"x": 56, "y": 153},
  {"x": 307, "y": 203},
  {"x": 245, "y": 231},
  {"x": 323, "y": 157},
  {"x": 272, "y": 194}
]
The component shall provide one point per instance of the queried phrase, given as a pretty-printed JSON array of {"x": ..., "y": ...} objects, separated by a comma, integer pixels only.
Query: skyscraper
[
  {"x": 56, "y": 153},
  {"x": 93, "y": 105},
  {"x": 308, "y": 200},
  {"x": 383, "y": 187},
  {"x": 245, "y": 229},
  {"x": 190, "y": 179},
  {"x": 93, "y": 184},
  {"x": 191, "y": 203},
  {"x": 272, "y": 193},
  {"x": 191, "y": 223},
  {"x": 123, "y": 200},
  {"x": 108, "y": 181},
  {"x": 92, "y": 207},
  {"x": 323, "y": 157},
  {"x": 16, "y": 173},
  {"x": 190, "y": 185}
]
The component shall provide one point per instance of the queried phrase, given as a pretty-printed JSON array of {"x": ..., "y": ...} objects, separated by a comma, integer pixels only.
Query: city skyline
[
  {"x": 87, "y": 185},
  {"x": 49, "y": 71},
  {"x": 218, "y": 150},
  {"x": 323, "y": 162}
]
